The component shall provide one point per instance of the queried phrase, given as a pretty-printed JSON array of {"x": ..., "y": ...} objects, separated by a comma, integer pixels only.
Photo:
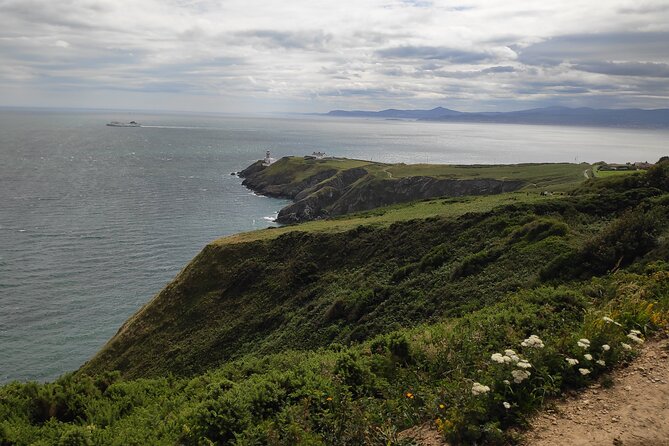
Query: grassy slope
[
  {"x": 348, "y": 279},
  {"x": 539, "y": 177},
  {"x": 561, "y": 176},
  {"x": 452, "y": 289}
]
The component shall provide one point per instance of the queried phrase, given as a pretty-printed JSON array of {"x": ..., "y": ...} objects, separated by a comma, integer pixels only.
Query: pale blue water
[{"x": 95, "y": 220}]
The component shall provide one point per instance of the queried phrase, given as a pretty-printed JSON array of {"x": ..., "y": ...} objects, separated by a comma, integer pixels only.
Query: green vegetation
[
  {"x": 295, "y": 169},
  {"x": 348, "y": 335},
  {"x": 386, "y": 216},
  {"x": 332, "y": 187},
  {"x": 556, "y": 177}
]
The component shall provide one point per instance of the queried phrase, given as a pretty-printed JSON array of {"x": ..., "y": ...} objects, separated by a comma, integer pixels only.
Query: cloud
[
  {"x": 313, "y": 55},
  {"x": 432, "y": 53},
  {"x": 302, "y": 40},
  {"x": 643, "y": 69},
  {"x": 629, "y": 46}
]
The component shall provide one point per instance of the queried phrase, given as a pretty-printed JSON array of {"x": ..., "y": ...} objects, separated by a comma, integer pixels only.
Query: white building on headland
[{"x": 268, "y": 159}]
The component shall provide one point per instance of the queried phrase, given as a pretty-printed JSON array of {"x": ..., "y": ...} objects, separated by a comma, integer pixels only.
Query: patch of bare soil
[
  {"x": 424, "y": 435},
  {"x": 633, "y": 412}
]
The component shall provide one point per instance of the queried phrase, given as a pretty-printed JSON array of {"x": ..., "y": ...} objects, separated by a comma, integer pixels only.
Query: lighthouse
[{"x": 268, "y": 159}]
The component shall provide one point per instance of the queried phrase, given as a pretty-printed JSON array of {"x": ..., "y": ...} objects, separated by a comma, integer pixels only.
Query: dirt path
[{"x": 633, "y": 412}]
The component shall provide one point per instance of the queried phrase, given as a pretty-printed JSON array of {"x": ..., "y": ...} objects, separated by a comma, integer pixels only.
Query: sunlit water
[{"x": 94, "y": 220}]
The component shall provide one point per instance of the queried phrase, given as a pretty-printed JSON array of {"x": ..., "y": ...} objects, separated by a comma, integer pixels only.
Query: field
[{"x": 613, "y": 173}]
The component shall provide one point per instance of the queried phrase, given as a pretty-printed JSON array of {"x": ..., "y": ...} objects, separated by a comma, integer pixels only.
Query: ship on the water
[{"x": 124, "y": 124}]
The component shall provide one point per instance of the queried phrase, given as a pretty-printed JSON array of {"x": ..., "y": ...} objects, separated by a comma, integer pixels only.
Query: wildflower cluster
[
  {"x": 521, "y": 366},
  {"x": 634, "y": 335},
  {"x": 478, "y": 389},
  {"x": 533, "y": 341}
]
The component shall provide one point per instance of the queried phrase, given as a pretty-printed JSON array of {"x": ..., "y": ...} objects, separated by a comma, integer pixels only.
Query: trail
[{"x": 633, "y": 412}]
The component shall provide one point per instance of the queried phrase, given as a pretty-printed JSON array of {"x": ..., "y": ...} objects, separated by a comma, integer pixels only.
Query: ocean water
[{"x": 95, "y": 220}]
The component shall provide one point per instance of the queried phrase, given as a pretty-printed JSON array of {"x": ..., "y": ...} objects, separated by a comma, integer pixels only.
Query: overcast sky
[{"x": 313, "y": 55}]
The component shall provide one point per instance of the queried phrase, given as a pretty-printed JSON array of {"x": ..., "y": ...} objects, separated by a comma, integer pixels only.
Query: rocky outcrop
[
  {"x": 376, "y": 193},
  {"x": 329, "y": 192},
  {"x": 281, "y": 184}
]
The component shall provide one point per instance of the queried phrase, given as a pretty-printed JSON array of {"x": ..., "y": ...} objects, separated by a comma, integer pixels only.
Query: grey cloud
[
  {"x": 365, "y": 92},
  {"x": 77, "y": 15},
  {"x": 302, "y": 40},
  {"x": 585, "y": 47},
  {"x": 644, "y": 9},
  {"x": 644, "y": 69},
  {"x": 498, "y": 69},
  {"x": 429, "y": 72},
  {"x": 432, "y": 53}
]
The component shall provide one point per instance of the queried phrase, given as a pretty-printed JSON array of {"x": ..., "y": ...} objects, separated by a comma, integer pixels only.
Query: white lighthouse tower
[{"x": 268, "y": 159}]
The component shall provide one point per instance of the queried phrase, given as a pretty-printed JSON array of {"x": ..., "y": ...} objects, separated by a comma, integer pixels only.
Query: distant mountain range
[{"x": 631, "y": 117}]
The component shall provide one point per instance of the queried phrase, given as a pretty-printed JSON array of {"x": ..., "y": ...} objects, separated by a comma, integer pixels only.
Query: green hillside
[
  {"x": 348, "y": 331},
  {"x": 324, "y": 188}
]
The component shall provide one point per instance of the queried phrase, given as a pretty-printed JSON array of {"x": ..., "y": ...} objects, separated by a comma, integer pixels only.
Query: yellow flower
[
  {"x": 441, "y": 406},
  {"x": 409, "y": 395},
  {"x": 329, "y": 398}
]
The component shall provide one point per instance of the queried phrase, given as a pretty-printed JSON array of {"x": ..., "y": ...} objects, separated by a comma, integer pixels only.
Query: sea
[{"x": 95, "y": 220}]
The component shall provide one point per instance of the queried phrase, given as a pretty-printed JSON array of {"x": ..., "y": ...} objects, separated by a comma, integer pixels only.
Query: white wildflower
[
  {"x": 588, "y": 356},
  {"x": 533, "y": 341},
  {"x": 606, "y": 347},
  {"x": 584, "y": 371},
  {"x": 524, "y": 364},
  {"x": 601, "y": 362},
  {"x": 583, "y": 343},
  {"x": 608, "y": 320},
  {"x": 520, "y": 375},
  {"x": 572, "y": 361},
  {"x": 635, "y": 332},
  {"x": 507, "y": 382},
  {"x": 509, "y": 352},
  {"x": 506, "y": 405},
  {"x": 478, "y": 389},
  {"x": 497, "y": 357},
  {"x": 626, "y": 346},
  {"x": 635, "y": 338}
]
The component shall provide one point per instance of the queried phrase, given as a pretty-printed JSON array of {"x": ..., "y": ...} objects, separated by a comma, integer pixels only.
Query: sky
[{"x": 245, "y": 56}]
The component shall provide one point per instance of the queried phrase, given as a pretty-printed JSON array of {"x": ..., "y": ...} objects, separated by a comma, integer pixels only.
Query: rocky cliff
[{"x": 322, "y": 189}]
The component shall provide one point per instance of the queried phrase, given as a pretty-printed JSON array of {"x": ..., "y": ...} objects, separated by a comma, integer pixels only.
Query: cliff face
[{"x": 323, "y": 192}]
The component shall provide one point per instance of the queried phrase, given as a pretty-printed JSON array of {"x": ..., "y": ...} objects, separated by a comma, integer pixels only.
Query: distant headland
[
  {"x": 323, "y": 187},
  {"x": 583, "y": 116}
]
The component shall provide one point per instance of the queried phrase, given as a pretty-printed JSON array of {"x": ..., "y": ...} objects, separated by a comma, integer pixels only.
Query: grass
[
  {"x": 295, "y": 169},
  {"x": 554, "y": 176},
  {"x": 613, "y": 173},
  {"x": 558, "y": 176},
  {"x": 385, "y": 216}
]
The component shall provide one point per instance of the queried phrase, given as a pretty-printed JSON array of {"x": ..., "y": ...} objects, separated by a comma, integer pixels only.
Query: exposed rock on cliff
[{"x": 321, "y": 190}]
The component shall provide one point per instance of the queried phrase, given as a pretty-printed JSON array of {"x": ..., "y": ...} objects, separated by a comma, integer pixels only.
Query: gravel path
[{"x": 633, "y": 412}]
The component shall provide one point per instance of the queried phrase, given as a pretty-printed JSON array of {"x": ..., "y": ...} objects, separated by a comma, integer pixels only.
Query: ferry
[{"x": 124, "y": 124}]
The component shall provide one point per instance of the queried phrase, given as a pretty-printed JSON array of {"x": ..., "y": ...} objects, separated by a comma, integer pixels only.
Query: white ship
[{"x": 124, "y": 124}]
